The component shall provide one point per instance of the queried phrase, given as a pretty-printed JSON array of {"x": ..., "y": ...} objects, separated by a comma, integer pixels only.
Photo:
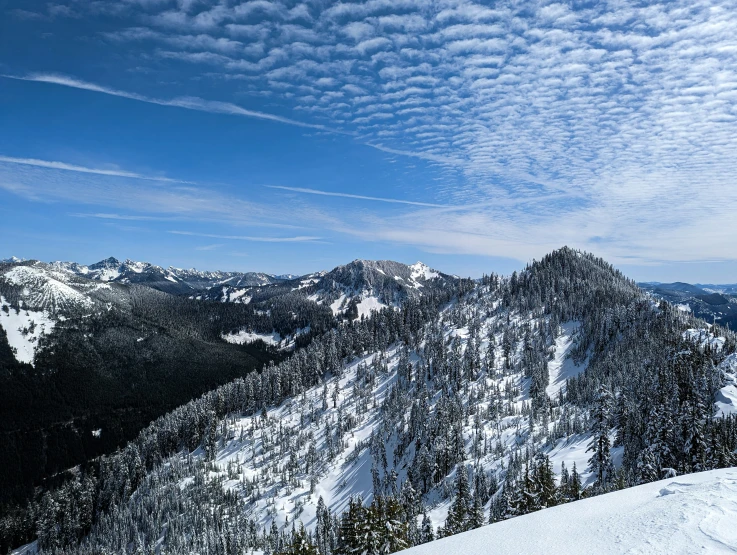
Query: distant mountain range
[
  {"x": 170, "y": 280},
  {"x": 389, "y": 282},
  {"x": 717, "y": 304}
]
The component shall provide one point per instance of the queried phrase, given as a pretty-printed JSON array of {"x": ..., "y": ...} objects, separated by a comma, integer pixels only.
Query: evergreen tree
[
  {"x": 476, "y": 516},
  {"x": 427, "y": 533},
  {"x": 600, "y": 461},
  {"x": 574, "y": 489},
  {"x": 460, "y": 510},
  {"x": 300, "y": 544},
  {"x": 544, "y": 482}
]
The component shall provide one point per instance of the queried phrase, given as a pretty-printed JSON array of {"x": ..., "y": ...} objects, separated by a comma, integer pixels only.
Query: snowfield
[
  {"x": 695, "y": 513},
  {"x": 243, "y": 337},
  {"x": 704, "y": 337},
  {"x": 368, "y": 305},
  {"x": 23, "y": 329}
]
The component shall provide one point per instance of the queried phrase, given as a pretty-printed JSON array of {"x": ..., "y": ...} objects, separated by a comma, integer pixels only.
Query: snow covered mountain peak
[
  {"x": 423, "y": 271},
  {"x": 41, "y": 287},
  {"x": 110, "y": 262},
  {"x": 170, "y": 280}
]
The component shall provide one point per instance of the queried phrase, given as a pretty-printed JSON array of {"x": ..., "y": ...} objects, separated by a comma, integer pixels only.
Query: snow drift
[{"x": 694, "y": 513}]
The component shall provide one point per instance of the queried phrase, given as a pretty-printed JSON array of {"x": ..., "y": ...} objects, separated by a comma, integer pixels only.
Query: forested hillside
[
  {"x": 84, "y": 366},
  {"x": 475, "y": 403}
]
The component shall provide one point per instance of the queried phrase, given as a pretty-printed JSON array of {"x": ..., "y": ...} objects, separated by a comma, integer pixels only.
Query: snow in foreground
[{"x": 694, "y": 513}]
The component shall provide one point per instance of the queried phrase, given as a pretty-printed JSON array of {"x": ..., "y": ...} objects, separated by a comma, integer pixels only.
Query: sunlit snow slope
[{"x": 695, "y": 513}]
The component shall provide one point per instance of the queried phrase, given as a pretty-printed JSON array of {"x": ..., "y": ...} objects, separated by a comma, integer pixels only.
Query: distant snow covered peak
[
  {"x": 139, "y": 267},
  {"x": 423, "y": 271},
  {"x": 12, "y": 260},
  {"x": 362, "y": 286},
  {"x": 110, "y": 262},
  {"x": 385, "y": 281},
  {"x": 170, "y": 280},
  {"x": 43, "y": 288}
]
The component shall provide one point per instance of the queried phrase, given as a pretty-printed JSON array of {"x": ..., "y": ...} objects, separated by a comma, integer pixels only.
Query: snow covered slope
[
  {"x": 33, "y": 298},
  {"x": 354, "y": 290},
  {"x": 339, "y": 427},
  {"x": 23, "y": 329},
  {"x": 695, "y": 513},
  {"x": 43, "y": 288},
  {"x": 362, "y": 286},
  {"x": 726, "y": 401}
]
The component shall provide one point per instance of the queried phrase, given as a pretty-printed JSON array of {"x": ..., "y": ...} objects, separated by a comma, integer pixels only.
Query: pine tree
[
  {"x": 351, "y": 539},
  {"x": 574, "y": 485},
  {"x": 300, "y": 544},
  {"x": 564, "y": 476},
  {"x": 47, "y": 528},
  {"x": 459, "y": 513},
  {"x": 388, "y": 520},
  {"x": 209, "y": 442},
  {"x": 544, "y": 480},
  {"x": 427, "y": 532},
  {"x": 522, "y": 495},
  {"x": 476, "y": 516},
  {"x": 600, "y": 461},
  {"x": 323, "y": 527}
]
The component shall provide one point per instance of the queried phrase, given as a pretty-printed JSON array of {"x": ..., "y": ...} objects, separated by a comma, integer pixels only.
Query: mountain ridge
[{"x": 453, "y": 410}]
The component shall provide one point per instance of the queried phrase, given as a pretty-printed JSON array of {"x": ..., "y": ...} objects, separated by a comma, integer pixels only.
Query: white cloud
[
  {"x": 122, "y": 196},
  {"x": 187, "y": 102},
  {"x": 621, "y": 113},
  {"x": 349, "y": 195},
  {"x": 81, "y": 169},
  {"x": 260, "y": 239}
]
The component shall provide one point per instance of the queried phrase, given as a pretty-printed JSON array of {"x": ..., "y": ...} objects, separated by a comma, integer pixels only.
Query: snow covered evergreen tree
[{"x": 600, "y": 461}]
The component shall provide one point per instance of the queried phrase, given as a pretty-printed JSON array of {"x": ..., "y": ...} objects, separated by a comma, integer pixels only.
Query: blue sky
[{"x": 288, "y": 137}]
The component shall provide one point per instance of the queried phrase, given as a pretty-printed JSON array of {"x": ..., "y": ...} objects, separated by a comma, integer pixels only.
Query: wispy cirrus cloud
[
  {"x": 82, "y": 169},
  {"x": 125, "y": 217},
  {"x": 124, "y": 193},
  {"x": 255, "y": 238},
  {"x": 186, "y": 102},
  {"x": 353, "y": 196}
]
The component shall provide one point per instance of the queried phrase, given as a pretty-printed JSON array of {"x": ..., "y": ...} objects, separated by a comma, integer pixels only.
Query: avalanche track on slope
[{"x": 562, "y": 366}]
